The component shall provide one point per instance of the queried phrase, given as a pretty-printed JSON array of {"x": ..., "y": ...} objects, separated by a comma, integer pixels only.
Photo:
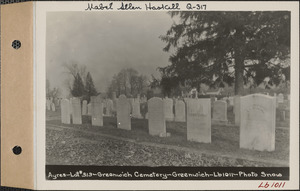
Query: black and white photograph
[{"x": 155, "y": 91}]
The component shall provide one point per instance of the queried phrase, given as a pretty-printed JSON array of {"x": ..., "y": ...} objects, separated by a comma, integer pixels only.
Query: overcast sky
[{"x": 105, "y": 42}]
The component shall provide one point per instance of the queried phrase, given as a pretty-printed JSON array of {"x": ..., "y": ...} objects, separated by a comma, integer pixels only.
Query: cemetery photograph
[{"x": 168, "y": 89}]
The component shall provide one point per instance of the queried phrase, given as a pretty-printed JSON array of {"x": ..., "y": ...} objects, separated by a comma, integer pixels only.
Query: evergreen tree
[
  {"x": 89, "y": 86},
  {"x": 233, "y": 47},
  {"x": 78, "y": 87}
]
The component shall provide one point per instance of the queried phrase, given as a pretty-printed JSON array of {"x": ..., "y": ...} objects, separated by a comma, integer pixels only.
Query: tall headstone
[
  {"x": 76, "y": 111},
  {"x": 156, "y": 117},
  {"x": 65, "y": 112},
  {"x": 123, "y": 113},
  {"x": 180, "y": 111},
  {"x": 220, "y": 112},
  {"x": 168, "y": 109},
  {"x": 89, "y": 109},
  {"x": 258, "y": 117},
  {"x": 97, "y": 111},
  {"x": 237, "y": 110},
  {"x": 136, "y": 111},
  {"x": 199, "y": 120},
  {"x": 84, "y": 107}
]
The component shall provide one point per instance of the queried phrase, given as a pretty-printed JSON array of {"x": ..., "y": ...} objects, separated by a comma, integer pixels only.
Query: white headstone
[
  {"x": 168, "y": 109},
  {"x": 76, "y": 111},
  {"x": 220, "y": 112},
  {"x": 84, "y": 107},
  {"x": 258, "y": 117},
  {"x": 136, "y": 111},
  {"x": 156, "y": 117},
  {"x": 123, "y": 113},
  {"x": 65, "y": 112},
  {"x": 180, "y": 111},
  {"x": 97, "y": 111},
  {"x": 199, "y": 120}
]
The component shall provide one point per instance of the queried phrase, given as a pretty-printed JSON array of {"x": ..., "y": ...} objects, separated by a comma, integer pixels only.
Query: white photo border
[{"x": 40, "y": 10}]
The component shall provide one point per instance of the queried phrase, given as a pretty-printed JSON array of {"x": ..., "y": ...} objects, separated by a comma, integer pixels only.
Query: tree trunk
[{"x": 239, "y": 73}]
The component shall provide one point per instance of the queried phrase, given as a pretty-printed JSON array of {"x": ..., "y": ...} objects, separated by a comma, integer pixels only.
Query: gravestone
[
  {"x": 280, "y": 98},
  {"x": 84, "y": 107},
  {"x": 156, "y": 117},
  {"x": 220, "y": 112},
  {"x": 65, "y": 112},
  {"x": 76, "y": 111},
  {"x": 52, "y": 106},
  {"x": 123, "y": 113},
  {"x": 97, "y": 111},
  {"x": 237, "y": 110},
  {"x": 258, "y": 117},
  {"x": 136, "y": 111},
  {"x": 180, "y": 111},
  {"x": 199, "y": 120},
  {"x": 89, "y": 109},
  {"x": 109, "y": 107},
  {"x": 168, "y": 109}
]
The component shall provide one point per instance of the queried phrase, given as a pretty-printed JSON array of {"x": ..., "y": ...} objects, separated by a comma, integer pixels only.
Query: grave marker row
[{"x": 255, "y": 114}]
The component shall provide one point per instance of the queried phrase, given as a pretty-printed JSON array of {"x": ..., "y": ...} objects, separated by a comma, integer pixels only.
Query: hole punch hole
[
  {"x": 17, "y": 150},
  {"x": 16, "y": 44}
]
